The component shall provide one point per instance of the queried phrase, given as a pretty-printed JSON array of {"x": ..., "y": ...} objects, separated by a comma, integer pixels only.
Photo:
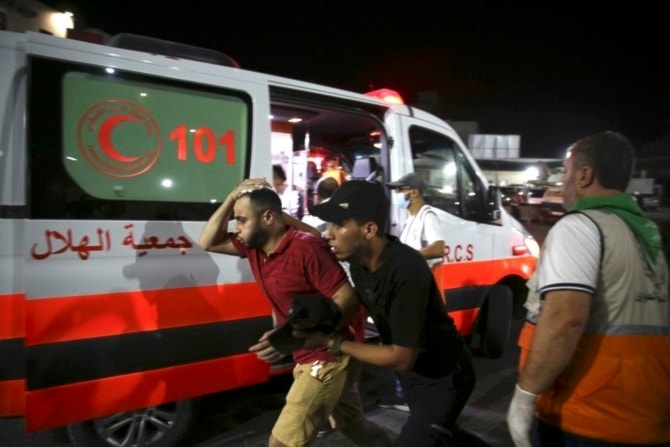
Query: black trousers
[{"x": 435, "y": 404}]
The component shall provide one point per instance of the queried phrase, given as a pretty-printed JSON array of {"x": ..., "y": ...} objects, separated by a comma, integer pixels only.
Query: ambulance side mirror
[{"x": 493, "y": 203}]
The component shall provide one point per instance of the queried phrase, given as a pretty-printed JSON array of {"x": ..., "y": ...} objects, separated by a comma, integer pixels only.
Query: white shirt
[
  {"x": 421, "y": 230},
  {"x": 570, "y": 260},
  {"x": 290, "y": 201},
  {"x": 316, "y": 222}
]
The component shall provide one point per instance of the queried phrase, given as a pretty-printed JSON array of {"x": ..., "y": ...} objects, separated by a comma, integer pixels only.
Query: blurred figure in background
[
  {"x": 325, "y": 188},
  {"x": 330, "y": 167},
  {"x": 291, "y": 200}
]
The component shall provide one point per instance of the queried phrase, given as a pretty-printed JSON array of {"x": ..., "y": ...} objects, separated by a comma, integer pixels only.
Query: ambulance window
[
  {"x": 439, "y": 161},
  {"x": 138, "y": 141},
  {"x": 131, "y": 146}
]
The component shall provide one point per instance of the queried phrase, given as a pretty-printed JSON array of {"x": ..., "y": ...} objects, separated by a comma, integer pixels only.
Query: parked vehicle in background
[
  {"x": 510, "y": 199},
  {"x": 645, "y": 192},
  {"x": 552, "y": 207},
  {"x": 649, "y": 203},
  {"x": 529, "y": 199},
  {"x": 531, "y": 195}
]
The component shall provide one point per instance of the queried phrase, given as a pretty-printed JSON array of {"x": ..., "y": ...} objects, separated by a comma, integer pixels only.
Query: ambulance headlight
[{"x": 533, "y": 246}]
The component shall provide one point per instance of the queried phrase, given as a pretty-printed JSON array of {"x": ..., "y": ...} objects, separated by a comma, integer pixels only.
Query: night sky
[{"x": 550, "y": 73}]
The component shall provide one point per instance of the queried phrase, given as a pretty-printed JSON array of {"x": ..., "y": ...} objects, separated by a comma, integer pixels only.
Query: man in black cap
[
  {"x": 420, "y": 231},
  {"x": 420, "y": 341}
]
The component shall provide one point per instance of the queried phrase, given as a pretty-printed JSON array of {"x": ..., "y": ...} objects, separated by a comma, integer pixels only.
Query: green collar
[{"x": 624, "y": 206}]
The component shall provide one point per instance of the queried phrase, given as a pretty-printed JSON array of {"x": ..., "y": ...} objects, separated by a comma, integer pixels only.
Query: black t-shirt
[{"x": 406, "y": 305}]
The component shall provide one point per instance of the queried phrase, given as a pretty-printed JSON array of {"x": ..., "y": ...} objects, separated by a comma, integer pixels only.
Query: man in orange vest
[{"x": 596, "y": 351}]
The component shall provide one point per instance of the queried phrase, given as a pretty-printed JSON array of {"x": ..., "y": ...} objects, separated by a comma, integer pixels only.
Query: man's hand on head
[{"x": 250, "y": 184}]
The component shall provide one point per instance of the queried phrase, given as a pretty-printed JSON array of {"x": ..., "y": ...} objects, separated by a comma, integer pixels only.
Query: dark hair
[
  {"x": 611, "y": 156},
  {"x": 279, "y": 172},
  {"x": 326, "y": 187},
  {"x": 265, "y": 199}
]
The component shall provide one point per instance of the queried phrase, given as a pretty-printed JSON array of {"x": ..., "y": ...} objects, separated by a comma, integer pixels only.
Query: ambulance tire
[
  {"x": 493, "y": 325},
  {"x": 173, "y": 421}
]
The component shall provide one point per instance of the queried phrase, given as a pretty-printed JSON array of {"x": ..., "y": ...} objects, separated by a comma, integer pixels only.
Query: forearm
[
  {"x": 556, "y": 337},
  {"x": 387, "y": 356},
  {"x": 432, "y": 251},
  {"x": 215, "y": 229},
  {"x": 347, "y": 300}
]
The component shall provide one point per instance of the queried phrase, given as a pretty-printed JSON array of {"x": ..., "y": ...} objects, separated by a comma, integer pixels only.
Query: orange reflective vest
[{"x": 616, "y": 387}]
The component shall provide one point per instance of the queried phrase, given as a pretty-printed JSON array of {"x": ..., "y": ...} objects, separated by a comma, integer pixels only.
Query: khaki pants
[{"x": 320, "y": 390}]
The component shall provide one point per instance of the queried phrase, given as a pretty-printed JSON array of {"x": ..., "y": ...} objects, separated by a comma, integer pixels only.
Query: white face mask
[{"x": 400, "y": 200}]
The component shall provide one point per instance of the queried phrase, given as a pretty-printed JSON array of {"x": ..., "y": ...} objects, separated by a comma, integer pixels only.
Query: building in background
[{"x": 30, "y": 15}]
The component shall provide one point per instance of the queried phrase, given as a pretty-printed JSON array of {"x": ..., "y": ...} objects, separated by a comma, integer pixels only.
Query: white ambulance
[{"x": 112, "y": 159}]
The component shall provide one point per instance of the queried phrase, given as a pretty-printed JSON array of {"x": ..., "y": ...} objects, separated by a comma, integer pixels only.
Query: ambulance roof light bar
[{"x": 386, "y": 95}]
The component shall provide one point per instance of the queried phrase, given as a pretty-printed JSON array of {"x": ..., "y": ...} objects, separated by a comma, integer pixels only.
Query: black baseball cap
[{"x": 355, "y": 198}]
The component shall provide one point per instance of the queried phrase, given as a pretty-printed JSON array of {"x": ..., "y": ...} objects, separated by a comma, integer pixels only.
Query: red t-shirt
[{"x": 301, "y": 264}]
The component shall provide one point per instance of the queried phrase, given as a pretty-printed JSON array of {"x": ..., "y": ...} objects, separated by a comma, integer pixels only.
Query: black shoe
[
  {"x": 324, "y": 430},
  {"x": 393, "y": 402}
]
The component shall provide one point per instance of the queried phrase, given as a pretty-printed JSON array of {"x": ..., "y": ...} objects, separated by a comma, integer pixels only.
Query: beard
[
  {"x": 257, "y": 238},
  {"x": 569, "y": 197}
]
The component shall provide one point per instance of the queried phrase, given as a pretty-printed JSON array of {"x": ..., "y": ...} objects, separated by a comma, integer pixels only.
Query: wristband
[{"x": 337, "y": 344}]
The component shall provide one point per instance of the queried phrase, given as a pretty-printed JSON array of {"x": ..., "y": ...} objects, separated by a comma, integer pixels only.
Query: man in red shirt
[{"x": 286, "y": 263}]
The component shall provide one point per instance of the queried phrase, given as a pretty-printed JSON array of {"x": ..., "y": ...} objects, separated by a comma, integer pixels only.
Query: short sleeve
[
  {"x": 431, "y": 228},
  {"x": 322, "y": 270},
  {"x": 570, "y": 257}
]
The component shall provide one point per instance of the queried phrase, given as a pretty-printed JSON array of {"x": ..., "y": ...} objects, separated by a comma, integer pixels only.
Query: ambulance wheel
[
  {"x": 493, "y": 325},
  {"x": 161, "y": 426}
]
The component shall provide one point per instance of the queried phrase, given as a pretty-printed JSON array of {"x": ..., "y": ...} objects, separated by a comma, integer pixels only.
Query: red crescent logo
[
  {"x": 141, "y": 136},
  {"x": 105, "y": 138}
]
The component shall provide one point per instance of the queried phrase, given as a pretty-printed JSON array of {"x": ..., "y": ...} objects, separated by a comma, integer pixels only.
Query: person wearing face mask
[{"x": 422, "y": 227}]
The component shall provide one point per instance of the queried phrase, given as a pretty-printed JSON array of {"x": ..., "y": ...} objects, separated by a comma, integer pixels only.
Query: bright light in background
[
  {"x": 531, "y": 173},
  {"x": 110, "y": 70},
  {"x": 449, "y": 169},
  {"x": 61, "y": 22},
  {"x": 167, "y": 183},
  {"x": 143, "y": 94},
  {"x": 294, "y": 120}
]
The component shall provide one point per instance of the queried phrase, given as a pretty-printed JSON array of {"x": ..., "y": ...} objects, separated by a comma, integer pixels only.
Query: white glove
[{"x": 520, "y": 416}]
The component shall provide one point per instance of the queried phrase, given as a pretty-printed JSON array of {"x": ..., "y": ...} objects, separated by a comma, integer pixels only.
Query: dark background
[{"x": 550, "y": 72}]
